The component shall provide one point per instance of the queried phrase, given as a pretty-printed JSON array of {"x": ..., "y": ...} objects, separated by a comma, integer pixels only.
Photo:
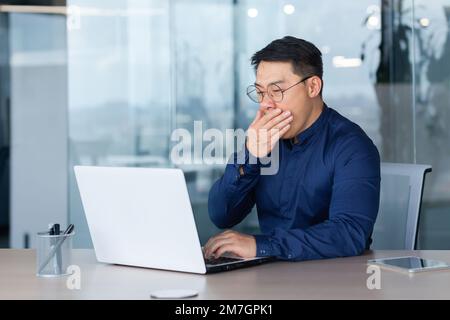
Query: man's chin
[{"x": 287, "y": 135}]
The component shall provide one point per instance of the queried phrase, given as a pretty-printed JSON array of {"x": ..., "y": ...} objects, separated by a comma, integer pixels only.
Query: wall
[{"x": 38, "y": 125}]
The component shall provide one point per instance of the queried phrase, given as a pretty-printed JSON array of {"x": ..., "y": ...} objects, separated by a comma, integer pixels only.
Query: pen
[
  {"x": 56, "y": 247},
  {"x": 56, "y": 231},
  {"x": 51, "y": 232}
]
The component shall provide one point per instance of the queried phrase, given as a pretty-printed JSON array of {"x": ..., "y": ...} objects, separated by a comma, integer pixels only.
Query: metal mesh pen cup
[{"x": 53, "y": 254}]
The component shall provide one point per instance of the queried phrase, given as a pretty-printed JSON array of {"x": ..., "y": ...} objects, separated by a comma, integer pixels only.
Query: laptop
[{"x": 143, "y": 217}]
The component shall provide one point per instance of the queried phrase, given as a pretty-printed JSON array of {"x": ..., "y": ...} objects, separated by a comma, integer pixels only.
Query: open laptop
[{"x": 143, "y": 217}]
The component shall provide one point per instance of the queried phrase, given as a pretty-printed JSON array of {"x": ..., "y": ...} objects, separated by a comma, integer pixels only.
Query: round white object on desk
[{"x": 173, "y": 294}]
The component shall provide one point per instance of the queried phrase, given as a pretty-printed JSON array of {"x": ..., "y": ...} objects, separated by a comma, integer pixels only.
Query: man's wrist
[{"x": 246, "y": 162}]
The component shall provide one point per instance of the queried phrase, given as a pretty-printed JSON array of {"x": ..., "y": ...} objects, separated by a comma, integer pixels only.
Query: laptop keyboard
[{"x": 220, "y": 260}]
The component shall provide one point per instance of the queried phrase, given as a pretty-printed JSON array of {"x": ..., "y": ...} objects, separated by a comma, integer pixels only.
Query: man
[{"x": 323, "y": 201}]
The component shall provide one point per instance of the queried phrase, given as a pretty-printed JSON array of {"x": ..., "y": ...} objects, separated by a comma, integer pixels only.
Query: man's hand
[
  {"x": 230, "y": 241},
  {"x": 266, "y": 130}
]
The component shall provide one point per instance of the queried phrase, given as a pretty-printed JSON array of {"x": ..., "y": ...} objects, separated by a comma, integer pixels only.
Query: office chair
[{"x": 400, "y": 201}]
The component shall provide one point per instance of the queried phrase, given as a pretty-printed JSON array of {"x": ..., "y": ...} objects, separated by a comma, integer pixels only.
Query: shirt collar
[{"x": 304, "y": 136}]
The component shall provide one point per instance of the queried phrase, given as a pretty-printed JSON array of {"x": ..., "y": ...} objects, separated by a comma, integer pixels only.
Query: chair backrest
[{"x": 400, "y": 201}]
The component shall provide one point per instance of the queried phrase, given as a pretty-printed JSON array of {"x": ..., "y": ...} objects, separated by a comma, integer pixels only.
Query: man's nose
[{"x": 266, "y": 104}]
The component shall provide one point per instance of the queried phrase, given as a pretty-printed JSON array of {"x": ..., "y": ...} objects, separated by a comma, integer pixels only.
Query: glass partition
[
  {"x": 432, "y": 116},
  {"x": 120, "y": 96},
  {"x": 138, "y": 70}
]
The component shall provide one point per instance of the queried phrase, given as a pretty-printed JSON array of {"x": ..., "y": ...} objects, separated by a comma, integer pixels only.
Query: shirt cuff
[{"x": 263, "y": 246}]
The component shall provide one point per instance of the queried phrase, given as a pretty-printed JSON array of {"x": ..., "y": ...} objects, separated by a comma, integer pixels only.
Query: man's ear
[{"x": 315, "y": 86}]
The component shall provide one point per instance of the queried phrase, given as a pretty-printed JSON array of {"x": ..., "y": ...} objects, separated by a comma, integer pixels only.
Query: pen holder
[{"x": 53, "y": 254}]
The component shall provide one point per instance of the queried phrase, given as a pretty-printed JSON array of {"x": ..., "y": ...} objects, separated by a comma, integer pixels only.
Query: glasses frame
[{"x": 251, "y": 88}]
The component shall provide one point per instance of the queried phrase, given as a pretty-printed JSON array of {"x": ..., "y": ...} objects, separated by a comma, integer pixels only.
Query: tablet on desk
[{"x": 410, "y": 264}]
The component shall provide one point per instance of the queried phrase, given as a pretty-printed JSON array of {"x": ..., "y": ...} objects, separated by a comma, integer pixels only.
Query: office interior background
[{"x": 98, "y": 82}]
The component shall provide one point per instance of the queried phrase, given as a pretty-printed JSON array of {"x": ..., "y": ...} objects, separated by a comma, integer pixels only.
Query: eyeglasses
[{"x": 274, "y": 92}]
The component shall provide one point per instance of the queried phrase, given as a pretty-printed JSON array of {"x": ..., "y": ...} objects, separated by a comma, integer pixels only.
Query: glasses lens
[
  {"x": 254, "y": 94},
  {"x": 275, "y": 93}
]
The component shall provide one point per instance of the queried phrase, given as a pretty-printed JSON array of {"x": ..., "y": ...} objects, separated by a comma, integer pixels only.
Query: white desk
[{"x": 343, "y": 278}]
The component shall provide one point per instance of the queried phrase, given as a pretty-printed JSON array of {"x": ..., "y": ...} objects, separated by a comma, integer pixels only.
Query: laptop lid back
[{"x": 140, "y": 217}]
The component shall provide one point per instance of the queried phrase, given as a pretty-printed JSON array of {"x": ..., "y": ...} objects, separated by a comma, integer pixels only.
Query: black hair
[{"x": 304, "y": 56}]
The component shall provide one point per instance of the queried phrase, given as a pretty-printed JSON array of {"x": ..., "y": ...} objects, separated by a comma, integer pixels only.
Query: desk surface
[{"x": 343, "y": 278}]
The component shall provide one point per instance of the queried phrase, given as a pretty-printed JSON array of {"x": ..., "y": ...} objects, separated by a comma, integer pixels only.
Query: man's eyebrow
[{"x": 274, "y": 82}]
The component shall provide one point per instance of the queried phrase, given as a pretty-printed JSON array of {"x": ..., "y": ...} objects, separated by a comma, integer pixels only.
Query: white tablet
[{"x": 410, "y": 264}]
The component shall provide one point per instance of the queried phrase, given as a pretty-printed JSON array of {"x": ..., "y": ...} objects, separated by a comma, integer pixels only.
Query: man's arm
[
  {"x": 232, "y": 197},
  {"x": 353, "y": 210}
]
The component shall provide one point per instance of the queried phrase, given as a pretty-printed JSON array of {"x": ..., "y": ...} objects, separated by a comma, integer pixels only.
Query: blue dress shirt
[{"x": 322, "y": 202}]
